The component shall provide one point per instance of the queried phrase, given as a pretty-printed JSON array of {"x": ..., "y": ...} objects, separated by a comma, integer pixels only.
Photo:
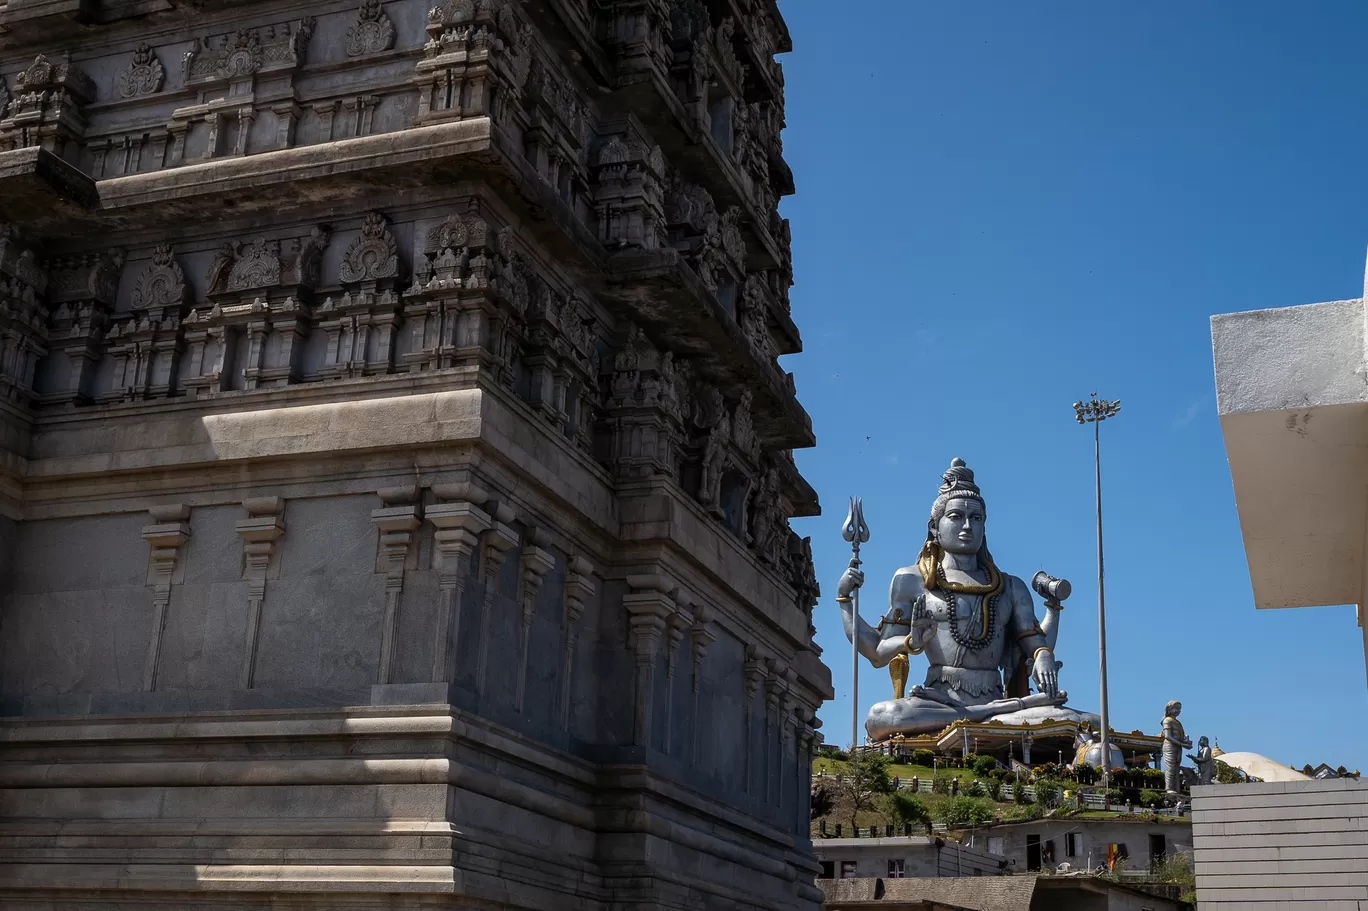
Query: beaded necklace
[{"x": 987, "y": 608}]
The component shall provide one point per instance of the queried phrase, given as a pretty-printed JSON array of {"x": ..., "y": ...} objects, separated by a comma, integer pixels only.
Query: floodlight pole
[{"x": 1095, "y": 411}]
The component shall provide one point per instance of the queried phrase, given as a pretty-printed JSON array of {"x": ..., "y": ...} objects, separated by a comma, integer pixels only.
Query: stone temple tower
[{"x": 395, "y": 465}]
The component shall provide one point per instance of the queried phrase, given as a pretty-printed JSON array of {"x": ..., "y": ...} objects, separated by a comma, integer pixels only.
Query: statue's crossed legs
[{"x": 926, "y": 711}]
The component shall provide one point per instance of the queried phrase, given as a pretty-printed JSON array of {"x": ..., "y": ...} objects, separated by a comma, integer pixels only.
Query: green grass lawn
[{"x": 897, "y": 770}]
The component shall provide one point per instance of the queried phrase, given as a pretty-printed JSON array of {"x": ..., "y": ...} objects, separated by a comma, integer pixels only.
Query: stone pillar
[
  {"x": 579, "y": 588},
  {"x": 775, "y": 689},
  {"x": 755, "y": 682},
  {"x": 166, "y": 536},
  {"x": 260, "y": 531},
  {"x": 679, "y": 622},
  {"x": 400, "y": 517},
  {"x": 702, "y": 636},
  {"x": 459, "y": 522},
  {"x": 496, "y": 542},
  {"x": 649, "y": 601},
  {"x": 533, "y": 564},
  {"x": 1026, "y": 749}
]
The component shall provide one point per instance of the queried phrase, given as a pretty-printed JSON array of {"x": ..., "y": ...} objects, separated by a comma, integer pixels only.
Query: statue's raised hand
[
  {"x": 1045, "y": 674},
  {"x": 851, "y": 580}
]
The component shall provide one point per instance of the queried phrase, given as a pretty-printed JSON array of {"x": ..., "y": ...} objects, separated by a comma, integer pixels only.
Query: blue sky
[{"x": 1004, "y": 206}]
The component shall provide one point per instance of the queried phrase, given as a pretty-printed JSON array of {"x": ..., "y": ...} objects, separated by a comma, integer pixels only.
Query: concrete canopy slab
[{"x": 1293, "y": 406}]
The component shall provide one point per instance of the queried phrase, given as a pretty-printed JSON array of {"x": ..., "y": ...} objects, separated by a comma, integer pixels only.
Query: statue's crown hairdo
[{"x": 958, "y": 481}]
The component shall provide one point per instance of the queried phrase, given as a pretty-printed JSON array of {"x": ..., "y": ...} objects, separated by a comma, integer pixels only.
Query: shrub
[
  {"x": 959, "y": 812},
  {"x": 1048, "y": 792},
  {"x": 923, "y": 757},
  {"x": 976, "y": 789},
  {"x": 907, "y": 808},
  {"x": 995, "y": 789},
  {"x": 984, "y": 766},
  {"x": 1149, "y": 797},
  {"x": 940, "y": 784}
]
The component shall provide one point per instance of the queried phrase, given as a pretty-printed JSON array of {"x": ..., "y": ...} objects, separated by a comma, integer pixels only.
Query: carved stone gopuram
[{"x": 395, "y": 463}]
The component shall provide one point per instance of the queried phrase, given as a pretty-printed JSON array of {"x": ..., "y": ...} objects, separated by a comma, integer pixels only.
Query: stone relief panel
[
  {"x": 373, "y": 31},
  {"x": 144, "y": 76}
]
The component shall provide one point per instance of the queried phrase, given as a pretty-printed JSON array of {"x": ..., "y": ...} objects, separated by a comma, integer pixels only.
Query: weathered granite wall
[{"x": 395, "y": 463}]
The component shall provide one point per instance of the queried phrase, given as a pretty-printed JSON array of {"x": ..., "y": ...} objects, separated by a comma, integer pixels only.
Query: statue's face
[{"x": 960, "y": 529}]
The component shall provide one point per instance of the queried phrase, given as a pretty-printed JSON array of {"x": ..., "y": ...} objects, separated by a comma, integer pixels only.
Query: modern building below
[
  {"x": 901, "y": 856},
  {"x": 1083, "y": 843},
  {"x": 1000, "y": 893}
]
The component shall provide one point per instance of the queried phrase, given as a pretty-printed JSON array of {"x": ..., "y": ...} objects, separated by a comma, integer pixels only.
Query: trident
[{"x": 856, "y": 532}]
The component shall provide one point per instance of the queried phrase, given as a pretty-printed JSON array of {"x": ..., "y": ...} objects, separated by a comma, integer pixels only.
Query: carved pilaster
[
  {"x": 579, "y": 588},
  {"x": 678, "y": 623},
  {"x": 397, "y": 520},
  {"x": 648, "y": 602},
  {"x": 701, "y": 636},
  {"x": 533, "y": 565},
  {"x": 459, "y": 522},
  {"x": 260, "y": 531},
  {"x": 495, "y": 544},
  {"x": 166, "y": 536},
  {"x": 755, "y": 674}
]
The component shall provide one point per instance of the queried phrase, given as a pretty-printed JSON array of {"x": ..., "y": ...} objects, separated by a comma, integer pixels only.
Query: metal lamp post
[{"x": 1094, "y": 412}]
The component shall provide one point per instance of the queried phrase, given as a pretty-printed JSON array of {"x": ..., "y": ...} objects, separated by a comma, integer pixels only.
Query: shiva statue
[
  {"x": 1204, "y": 761},
  {"x": 973, "y": 623},
  {"x": 1175, "y": 741}
]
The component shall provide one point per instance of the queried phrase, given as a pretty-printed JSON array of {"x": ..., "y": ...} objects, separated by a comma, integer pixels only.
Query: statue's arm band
[
  {"x": 1043, "y": 648},
  {"x": 907, "y": 644},
  {"x": 1033, "y": 631}
]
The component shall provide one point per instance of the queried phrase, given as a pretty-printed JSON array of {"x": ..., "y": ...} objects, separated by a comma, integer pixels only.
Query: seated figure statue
[{"x": 971, "y": 621}]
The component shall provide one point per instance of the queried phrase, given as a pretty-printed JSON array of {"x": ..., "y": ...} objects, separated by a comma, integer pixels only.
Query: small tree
[
  {"x": 865, "y": 781},
  {"x": 923, "y": 757},
  {"x": 907, "y": 808}
]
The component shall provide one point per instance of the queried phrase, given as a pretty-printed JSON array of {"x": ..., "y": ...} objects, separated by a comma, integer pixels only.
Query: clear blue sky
[{"x": 1004, "y": 206}]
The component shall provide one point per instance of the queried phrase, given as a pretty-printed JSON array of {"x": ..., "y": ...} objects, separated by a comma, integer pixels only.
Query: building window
[
  {"x": 895, "y": 869},
  {"x": 828, "y": 869},
  {"x": 995, "y": 844},
  {"x": 847, "y": 869},
  {"x": 1071, "y": 846},
  {"x": 1047, "y": 855}
]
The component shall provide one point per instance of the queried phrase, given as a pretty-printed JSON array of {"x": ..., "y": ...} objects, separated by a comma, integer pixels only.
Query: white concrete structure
[
  {"x": 1262, "y": 768},
  {"x": 1281, "y": 845},
  {"x": 1292, "y": 394}
]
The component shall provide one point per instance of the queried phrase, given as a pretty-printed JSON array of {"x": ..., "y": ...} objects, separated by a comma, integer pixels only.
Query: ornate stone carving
[
  {"x": 628, "y": 179},
  {"x": 732, "y": 242},
  {"x": 144, "y": 76},
  {"x": 46, "y": 108},
  {"x": 85, "y": 276},
  {"x": 475, "y": 62},
  {"x": 247, "y": 51},
  {"x": 161, "y": 285},
  {"x": 4, "y": 98},
  {"x": 258, "y": 266},
  {"x": 373, "y": 31},
  {"x": 372, "y": 257}
]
